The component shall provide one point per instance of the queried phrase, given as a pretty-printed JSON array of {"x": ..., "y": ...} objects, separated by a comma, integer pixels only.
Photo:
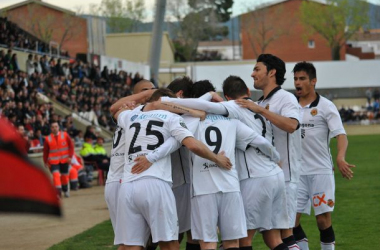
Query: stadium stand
[{"x": 40, "y": 89}]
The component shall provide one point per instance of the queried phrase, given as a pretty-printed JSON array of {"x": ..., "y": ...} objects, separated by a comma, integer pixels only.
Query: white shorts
[
  {"x": 223, "y": 210},
  {"x": 318, "y": 191},
  {"x": 111, "y": 195},
  {"x": 146, "y": 205},
  {"x": 265, "y": 202},
  {"x": 182, "y": 199},
  {"x": 291, "y": 202}
]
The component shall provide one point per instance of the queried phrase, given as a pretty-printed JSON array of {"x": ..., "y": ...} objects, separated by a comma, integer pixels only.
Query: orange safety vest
[{"x": 58, "y": 149}]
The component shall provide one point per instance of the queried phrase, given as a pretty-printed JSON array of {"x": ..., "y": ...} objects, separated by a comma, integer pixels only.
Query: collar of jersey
[
  {"x": 270, "y": 94},
  {"x": 314, "y": 103}
]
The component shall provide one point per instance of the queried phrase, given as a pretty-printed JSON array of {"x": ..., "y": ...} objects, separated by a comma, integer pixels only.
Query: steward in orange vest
[{"x": 58, "y": 149}]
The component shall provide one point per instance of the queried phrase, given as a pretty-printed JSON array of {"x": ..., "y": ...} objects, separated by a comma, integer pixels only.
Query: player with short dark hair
[
  {"x": 182, "y": 87},
  {"x": 320, "y": 121},
  {"x": 280, "y": 107}
]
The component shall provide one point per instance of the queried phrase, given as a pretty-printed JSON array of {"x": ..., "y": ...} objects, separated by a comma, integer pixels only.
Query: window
[{"x": 311, "y": 44}]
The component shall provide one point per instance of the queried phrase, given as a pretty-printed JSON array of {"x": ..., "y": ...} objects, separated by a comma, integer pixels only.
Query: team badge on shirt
[
  {"x": 330, "y": 203},
  {"x": 182, "y": 123},
  {"x": 267, "y": 107},
  {"x": 314, "y": 112}
]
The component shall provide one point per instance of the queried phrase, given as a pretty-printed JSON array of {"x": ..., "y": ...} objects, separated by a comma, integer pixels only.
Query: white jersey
[
  {"x": 320, "y": 121},
  {"x": 219, "y": 134},
  {"x": 252, "y": 163},
  {"x": 288, "y": 145},
  {"x": 115, "y": 172},
  {"x": 145, "y": 132},
  {"x": 181, "y": 159}
]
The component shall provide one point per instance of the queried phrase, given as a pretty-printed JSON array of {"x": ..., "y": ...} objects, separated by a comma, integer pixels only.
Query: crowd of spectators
[
  {"x": 84, "y": 89},
  {"x": 12, "y": 36}
]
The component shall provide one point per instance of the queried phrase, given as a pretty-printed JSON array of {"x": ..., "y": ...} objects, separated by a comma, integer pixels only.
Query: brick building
[
  {"x": 50, "y": 23},
  {"x": 277, "y": 28}
]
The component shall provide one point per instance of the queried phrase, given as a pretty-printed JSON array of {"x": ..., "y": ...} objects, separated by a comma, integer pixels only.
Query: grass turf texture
[{"x": 356, "y": 219}]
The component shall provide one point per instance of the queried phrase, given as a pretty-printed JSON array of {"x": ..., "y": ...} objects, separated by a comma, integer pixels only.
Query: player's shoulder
[
  {"x": 283, "y": 95},
  {"x": 326, "y": 104}
]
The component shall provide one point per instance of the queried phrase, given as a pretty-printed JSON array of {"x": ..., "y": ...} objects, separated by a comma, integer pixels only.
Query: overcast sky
[{"x": 240, "y": 6}]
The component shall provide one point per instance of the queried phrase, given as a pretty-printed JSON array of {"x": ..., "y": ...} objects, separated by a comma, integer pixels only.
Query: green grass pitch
[{"x": 356, "y": 219}]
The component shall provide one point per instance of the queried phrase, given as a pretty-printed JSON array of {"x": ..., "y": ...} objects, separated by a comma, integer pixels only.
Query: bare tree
[
  {"x": 262, "y": 28},
  {"x": 70, "y": 29},
  {"x": 42, "y": 28}
]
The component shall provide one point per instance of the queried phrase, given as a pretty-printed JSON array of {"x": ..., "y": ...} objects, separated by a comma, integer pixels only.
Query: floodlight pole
[{"x": 156, "y": 42}]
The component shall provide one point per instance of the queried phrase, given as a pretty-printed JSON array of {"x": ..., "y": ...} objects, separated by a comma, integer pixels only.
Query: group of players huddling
[{"x": 185, "y": 161}]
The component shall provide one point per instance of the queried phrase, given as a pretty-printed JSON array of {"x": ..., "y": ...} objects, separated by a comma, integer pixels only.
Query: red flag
[{"x": 24, "y": 186}]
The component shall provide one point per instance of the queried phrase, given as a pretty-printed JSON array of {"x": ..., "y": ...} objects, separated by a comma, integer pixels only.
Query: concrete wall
[{"x": 135, "y": 47}]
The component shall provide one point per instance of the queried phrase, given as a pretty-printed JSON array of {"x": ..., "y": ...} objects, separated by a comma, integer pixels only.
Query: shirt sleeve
[
  {"x": 233, "y": 110},
  {"x": 290, "y": 107},
  {"x": 178, "y": 128},
  {"x": 334, "y": 121},
  {"x": 206, "y": 97},
  {"x": 169, "y": 146},
  {"x": 122, "y": 119},
  {"x": 195, "y": 103},
  {"x": 247, "y": 136},
  {"x": 191, "y": 123}
]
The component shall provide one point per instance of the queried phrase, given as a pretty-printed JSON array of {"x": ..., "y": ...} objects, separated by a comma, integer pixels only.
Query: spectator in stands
[
  {"x": 101, "y": 152},
  {"x": 91, "y": 159},
  {"x": 37, "y": 65},
  {"x": 105, "y": 74},
  {"x": 368, "y": 94},
  {"x": 376, "y": 106},
  {"x": 44, "y": 65},
  {"x": 7, "y": 58},
  {"x": 14, "y": 63},
  {"x": 376, "y": 94}
]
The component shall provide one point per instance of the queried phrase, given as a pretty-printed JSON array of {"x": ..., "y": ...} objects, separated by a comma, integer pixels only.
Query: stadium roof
[{"x": 40, "y": 2}]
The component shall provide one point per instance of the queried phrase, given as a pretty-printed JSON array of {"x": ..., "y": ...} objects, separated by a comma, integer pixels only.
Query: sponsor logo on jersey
[
  {"x": 307, "y": 125},
  {"x": 330, "y": 203},
  {"x": 267, "y": 106},
  {"x": 319, "y": 199},
  {"x": 134, "y": 118},
  {"x": 314, "y": 112},
  {"x": 206, "y": 166},
  {"x": 131, "y": 158},
  {"x": 118, "y": 154}
]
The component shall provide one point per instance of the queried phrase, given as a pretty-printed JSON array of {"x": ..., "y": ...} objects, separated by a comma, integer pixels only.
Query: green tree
[
  {"x": 222, "y": 9},
  {"x": 122, "y": 16},
  {"x": 200, "y": 21},
  {"x": 336, "y": 22}
]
